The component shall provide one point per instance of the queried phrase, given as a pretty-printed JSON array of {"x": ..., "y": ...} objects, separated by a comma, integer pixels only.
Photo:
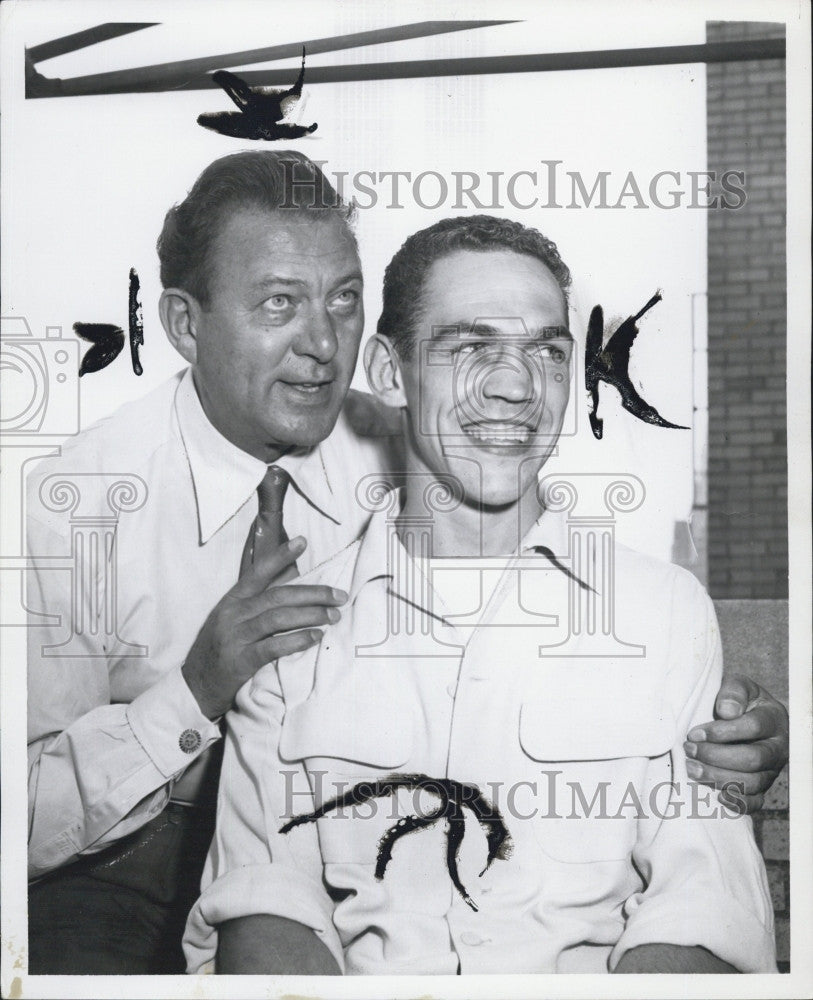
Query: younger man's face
[{"x": 489, "y": 379}]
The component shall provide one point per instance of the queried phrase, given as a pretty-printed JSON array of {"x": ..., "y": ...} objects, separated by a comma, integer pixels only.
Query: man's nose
[
  {"x": 508, "y": 377},
  {"x": 317, "y": 339}
]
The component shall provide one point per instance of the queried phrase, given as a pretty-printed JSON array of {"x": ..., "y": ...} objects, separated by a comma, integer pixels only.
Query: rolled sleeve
[
  {"x": 706, "y": 887},
  {"x": 253, "y": 868},
  {"x": 271, "y": 889},
  {"x": 705, "y": 879},
  {"x": 168, "y": 723},
  {"x": 716, "y": 921}
]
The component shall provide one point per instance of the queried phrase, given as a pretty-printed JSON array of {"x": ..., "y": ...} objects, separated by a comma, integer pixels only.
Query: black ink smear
[
  {"x": 107, "y": 340},
  {"x": 610, "y": 364},
  {"x": 261, "y": 109},
  {"x": 136, "y": 324},
  {"x": 454, "y": 797},
  {"x": 548, "y": 553}
]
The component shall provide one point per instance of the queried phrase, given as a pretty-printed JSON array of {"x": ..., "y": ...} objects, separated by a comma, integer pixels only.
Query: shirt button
[
  {"x": 472, "y": 938},
  {"x": 189, "y": 740},
  {"x": 451, "y": 690}
]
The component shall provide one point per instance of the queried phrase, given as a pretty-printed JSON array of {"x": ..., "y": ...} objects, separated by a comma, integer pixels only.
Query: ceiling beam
[
  {"x": 81, "y": 39},
  {"x": 179, "y": 75}
]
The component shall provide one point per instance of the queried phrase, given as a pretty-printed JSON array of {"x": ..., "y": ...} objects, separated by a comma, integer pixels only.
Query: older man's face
[
  {"x": 277, "y": 345},
  {"x": 489, "y": 381}
]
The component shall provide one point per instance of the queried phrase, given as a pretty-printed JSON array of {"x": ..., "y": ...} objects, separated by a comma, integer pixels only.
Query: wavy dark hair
[
  {"x": 266, "y": 180},
  {"x": 403, "y": 304}
]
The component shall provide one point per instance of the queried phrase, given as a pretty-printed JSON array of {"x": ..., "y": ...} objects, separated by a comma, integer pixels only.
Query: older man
[{"x": 262, "y": 298}]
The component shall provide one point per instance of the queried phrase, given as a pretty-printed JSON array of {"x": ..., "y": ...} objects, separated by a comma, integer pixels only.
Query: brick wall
[
  {"x": 755, "y": 642},
  {"x": 747, "y": 457},
  {"x": 771, "y": 827}
]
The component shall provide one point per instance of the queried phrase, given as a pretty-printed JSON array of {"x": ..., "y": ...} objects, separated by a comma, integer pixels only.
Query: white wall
[{"x": 87, "y": 182}]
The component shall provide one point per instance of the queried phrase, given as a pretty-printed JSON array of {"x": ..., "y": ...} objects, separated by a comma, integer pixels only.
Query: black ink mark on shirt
[
  {"x": 107, "y": 341},
  {"x": 548, "y": 553},
  {"x": 454, "y": 797},
  {"x": 610, "y": 363},
  {"x": 261, "y": 109},
  {"x": 136, "y": 324}
]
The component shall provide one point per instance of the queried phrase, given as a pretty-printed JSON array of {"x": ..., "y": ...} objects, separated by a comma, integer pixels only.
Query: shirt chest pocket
[
  {"x": 357, "y": 719},
  {"x": 594, "y": 746},
  {"x": 348, "y": 735},
  {"x": 352, "y": 735}
]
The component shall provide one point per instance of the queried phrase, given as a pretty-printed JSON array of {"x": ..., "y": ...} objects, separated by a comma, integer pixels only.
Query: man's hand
[
  {"x": 369, "y": 417},
  {"x": 747, "y": 745},
  {"x": 251, "y": 625}
]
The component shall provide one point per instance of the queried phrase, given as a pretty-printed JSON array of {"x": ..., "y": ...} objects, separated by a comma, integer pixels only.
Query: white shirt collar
[
  {"x": 376, "y": 551},
  {"x": 225, "y": 477},
  {"x": 307, "y": 468}
]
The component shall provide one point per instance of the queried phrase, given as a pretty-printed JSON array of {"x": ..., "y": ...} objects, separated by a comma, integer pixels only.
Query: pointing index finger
[
  {"x": 269, "y": 567},
  {"x": 766, "y": 720},
  {"x": 745, "y": 728}
]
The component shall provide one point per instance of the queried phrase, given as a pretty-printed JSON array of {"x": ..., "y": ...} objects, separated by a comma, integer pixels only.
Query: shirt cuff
[
  {"x": 719, "y": 923},
  {"x": 168, "y": 723},
  {"x": 252, "y": 890}
]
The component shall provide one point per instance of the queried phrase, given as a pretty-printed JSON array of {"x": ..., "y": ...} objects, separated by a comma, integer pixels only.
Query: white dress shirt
[
  {"x": 109, "y": 731},
  {"x": 582, "y": 754}
]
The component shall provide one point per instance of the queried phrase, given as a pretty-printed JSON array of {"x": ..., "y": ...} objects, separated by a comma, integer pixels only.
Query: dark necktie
[
  {"x": 199, "y": 782},
  {"x": 267, "y": 532}
]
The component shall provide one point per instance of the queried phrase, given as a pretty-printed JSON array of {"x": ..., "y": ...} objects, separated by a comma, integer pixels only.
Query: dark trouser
[{"x": 123, "y": 910}]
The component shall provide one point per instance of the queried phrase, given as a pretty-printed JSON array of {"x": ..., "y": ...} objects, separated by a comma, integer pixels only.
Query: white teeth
[{"x": 499, "y": 435}]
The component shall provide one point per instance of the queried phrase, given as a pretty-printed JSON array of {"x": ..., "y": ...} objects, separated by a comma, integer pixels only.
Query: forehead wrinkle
[
  {"x": 277, "y": 279},
  {"x": 272, "y": 280},
  {"x": 289, "y": 252},
  {"x": 545, "y": 331}
]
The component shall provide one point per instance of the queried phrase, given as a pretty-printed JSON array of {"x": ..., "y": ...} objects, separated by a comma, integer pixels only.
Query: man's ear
[
  {"x": 384, "y": 374},
  {"x": 179, "y": 311}
]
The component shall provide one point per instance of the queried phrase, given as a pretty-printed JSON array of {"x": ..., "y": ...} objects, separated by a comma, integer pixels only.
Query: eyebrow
[
  {"x": 272, "y": 280},
  {"x": 465, "y": 328}
]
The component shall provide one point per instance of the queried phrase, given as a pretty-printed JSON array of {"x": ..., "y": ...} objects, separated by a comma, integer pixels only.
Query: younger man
[{"x": 388, "y": 802}]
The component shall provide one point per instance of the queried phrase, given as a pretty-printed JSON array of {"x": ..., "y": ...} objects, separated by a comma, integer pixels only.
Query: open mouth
[
  {"x": 499, "y": 433},
  {"x": 309, "y": 388}
]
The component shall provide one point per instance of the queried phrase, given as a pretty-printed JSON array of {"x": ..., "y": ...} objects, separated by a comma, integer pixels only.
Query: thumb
[{"x": 734, "y": 696}]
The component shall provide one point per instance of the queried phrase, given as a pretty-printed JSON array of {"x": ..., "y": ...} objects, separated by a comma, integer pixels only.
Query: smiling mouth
[
  {"x": 309, "y": 388},
  {"x": 499, "y": 433}
]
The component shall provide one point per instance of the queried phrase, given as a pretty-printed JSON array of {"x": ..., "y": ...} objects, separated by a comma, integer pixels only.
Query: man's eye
[
  {"x": 346, "y": 299},
  {"x": 276, "y": 303},
  {"x": 468, "y": 349},
  {"x": 550, "y": 352}
]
